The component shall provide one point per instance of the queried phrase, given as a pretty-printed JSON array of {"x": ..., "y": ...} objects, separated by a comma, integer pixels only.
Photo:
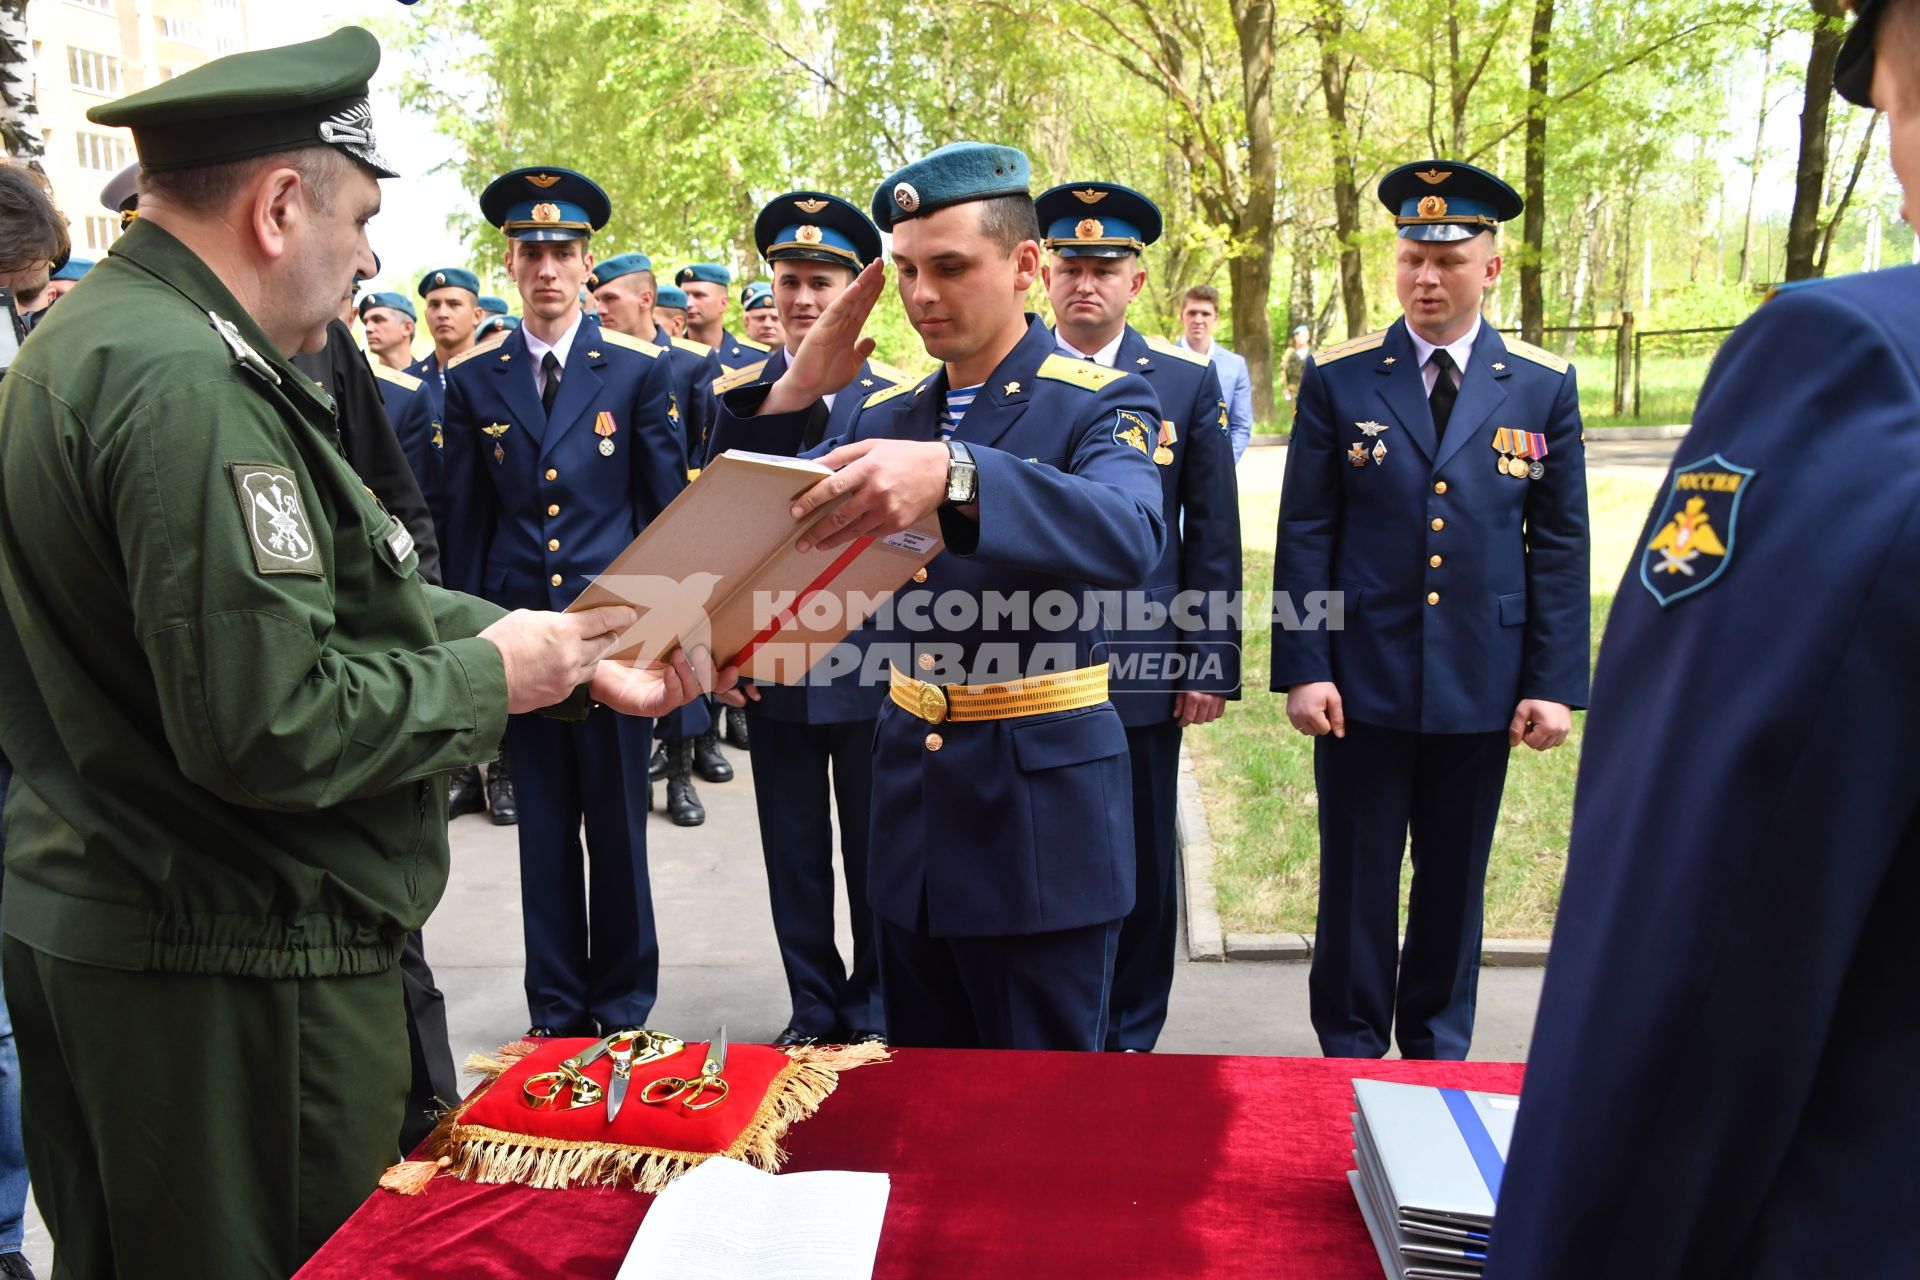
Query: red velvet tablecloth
[{"x": 1002, "y": 1164}]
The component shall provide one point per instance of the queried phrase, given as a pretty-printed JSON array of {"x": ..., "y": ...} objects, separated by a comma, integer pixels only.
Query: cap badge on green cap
[
  {"x": 352, "y": 130},
  {"x": 906, "y": 197}
]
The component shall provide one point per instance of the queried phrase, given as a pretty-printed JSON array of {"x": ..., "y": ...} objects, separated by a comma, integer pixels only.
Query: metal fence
[{"x": 1642, "y": 373}]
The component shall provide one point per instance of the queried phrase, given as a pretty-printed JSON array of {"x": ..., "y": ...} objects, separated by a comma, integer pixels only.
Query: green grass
[{"x": 1256, "y": 772}]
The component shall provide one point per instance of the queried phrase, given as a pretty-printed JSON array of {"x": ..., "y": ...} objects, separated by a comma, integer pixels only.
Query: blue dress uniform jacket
[
  {"x": 695, "y": 368},
  {"x": 735, "y": 353},
  {"x": 1720, "y": 1082},
  {"x": 432, "y": 378},
  {"x": 1506, "y": 558},
  {"x": 507, "y": 467},
  {"x": 410, "y": 409},
  {"x": 1201, "y": 505},
  {"x": 1018, "y": 826}
]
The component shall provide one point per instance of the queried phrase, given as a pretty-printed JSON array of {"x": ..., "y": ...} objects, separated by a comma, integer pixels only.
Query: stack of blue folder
[{"x": 1427, "y": 1166}]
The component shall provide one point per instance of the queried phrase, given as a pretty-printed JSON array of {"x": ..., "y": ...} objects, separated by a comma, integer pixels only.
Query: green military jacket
[{"x": 227, "y": 696}]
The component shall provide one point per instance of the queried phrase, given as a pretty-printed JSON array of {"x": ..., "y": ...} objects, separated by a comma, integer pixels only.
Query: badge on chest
[
  {"x": 604, "y": 428},
  {"x": 1359, "y": 455}
]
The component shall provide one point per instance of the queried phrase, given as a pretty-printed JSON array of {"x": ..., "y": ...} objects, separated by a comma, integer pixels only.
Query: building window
[
  {"x": 101, "y": 232},
  {"x": 183, "y": 30},
  {"x": 94, "y": 72},
  {"x": 227, "y": 6},
  {"x": 225, "y": 45},
  {"x": 105, "y": 152}
]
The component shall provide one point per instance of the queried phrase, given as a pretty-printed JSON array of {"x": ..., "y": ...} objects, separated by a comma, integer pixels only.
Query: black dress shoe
[
  {"x": 707, "y": 760},
  {"x": 15, "y": 1266},
  {"x": 792, "y": 1036},
  {"x": 501, "y": 805},
  {"x": 737, "y": 727},
  {"x": 562, "y": 1033},
  {"x": 683, "y": 802},
  {"x": 867, "y": 1037},
  {"x": 464, "y": 794},
  {"x": 657, "y": 766}
]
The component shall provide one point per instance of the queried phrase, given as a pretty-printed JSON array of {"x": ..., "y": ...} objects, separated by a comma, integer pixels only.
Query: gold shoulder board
[
  {"x": 482, "y": 349},
  {"x": 738, "y": 378},
  {"x": 1527, "y": 351},
  {"x": 396, "y": 377},
  {"x": 755, "y": 346},
  {"x": 632, "y": 343},
  {"x": 1351, "y": 347},
  {"x": 1166, "y": 348},
  {"x": 700, "y": 349},
  {"x": 1084, "y": 374},
  {"x": 885, "y": 394},
  {"x": 888, "y": 372}
]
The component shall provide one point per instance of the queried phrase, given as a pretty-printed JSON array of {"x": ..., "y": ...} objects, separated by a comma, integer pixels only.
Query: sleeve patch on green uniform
[{"x": 278, "y": 530}]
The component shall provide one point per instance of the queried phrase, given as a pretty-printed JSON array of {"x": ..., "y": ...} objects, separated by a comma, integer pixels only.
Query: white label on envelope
[{"x": 913, "y": 543}]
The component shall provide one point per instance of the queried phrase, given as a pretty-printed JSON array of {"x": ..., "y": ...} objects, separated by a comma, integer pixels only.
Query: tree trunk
[
  {"x": 1346, "y": 193},
  {"x": 1753, "y": 165},
  {"x": 1810, "y": 175},
  {"x": 1533, "y": 307},
  {"x": 19, "y": 113},
  {"x": 1301, "y": 304},
  {"x": 1252, "y": 267}
]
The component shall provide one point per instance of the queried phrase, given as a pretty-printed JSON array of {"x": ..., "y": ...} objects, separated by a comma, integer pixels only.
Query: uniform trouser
[
  {"x": 795, "y": 765},
  {"x": 683, "y": 724},
  {"x": 1376, "y": 786},
  {"x": 585, "y": 964},
  {"x": 202, "y": 1127},
  {"x": 1034, "y": 991},
  {"x": 434, "y": 1084},
  {"x": 1143, "y": 965}
]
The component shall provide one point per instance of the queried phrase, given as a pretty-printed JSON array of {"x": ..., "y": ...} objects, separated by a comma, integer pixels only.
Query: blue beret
[
  {"x": 705, "y": 273},
  {"x": 671, "y": 298},
  {"x": 492, "y": 305},
  {"x": 621, "y": 264},
  {"x": 815, "y": 226},
  {"x": 1096, "y": 220},
  {"x": 955, "y": 174},
  {"x": 545, "y": 204},
  {"x": 1447, "y": 200},
  {"x": 504, "y": 324},
  {"x": 756, "y": 295},
  {"x": 450, "y": 278},
  {"x": 73, "y": 269},
  {"x": 391, "y": 301}
]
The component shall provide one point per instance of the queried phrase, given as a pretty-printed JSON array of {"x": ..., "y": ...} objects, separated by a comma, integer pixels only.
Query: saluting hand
[
  {"x": 831, "y": 354},
  {"x": 889, "y": 484},
  {"x": 652, "y": 689},
  {"x": 1541, "y": 725},
  {"x": 548, "y": 655}
]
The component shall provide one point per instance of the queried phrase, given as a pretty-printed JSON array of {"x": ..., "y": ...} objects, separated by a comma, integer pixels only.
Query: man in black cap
[
  {"x": 1436, "y": 488},
  {"x": 238, "y": 700},
  {"x": 1720, "y": 1080}
]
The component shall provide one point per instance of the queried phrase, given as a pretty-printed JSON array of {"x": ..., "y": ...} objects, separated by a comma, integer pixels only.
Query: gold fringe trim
[{"x": 479, "y": 1153}]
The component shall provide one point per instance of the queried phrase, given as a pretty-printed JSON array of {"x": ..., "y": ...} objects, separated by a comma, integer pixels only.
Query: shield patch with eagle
[{"x": 1693, "y": 535}]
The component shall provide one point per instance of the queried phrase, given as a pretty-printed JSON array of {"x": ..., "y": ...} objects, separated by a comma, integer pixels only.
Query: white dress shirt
[
  {"x": 1104, "y": 356},
  {"x": 538, "y": 350},
  {"x": 1461, "y": 351}
]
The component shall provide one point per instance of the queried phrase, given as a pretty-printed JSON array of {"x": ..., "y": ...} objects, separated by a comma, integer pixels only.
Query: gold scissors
[
  {"x": 690, "y": 1090},
  {"x": 544, "y": 1089}
]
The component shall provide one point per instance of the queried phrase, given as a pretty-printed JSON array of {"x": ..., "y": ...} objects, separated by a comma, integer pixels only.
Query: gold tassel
[{"x": 410, "y": 1177}]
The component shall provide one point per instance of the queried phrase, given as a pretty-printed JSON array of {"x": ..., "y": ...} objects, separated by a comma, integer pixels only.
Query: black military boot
[
  {"x": 464, "y": 792},
  {"x": 737, "y": 727},
  {"x": 683, "y": 803},
  {"x": 500, "y": 802},
  {"x": 707, "y": 760},
  {"x": 657, "y": 766}
]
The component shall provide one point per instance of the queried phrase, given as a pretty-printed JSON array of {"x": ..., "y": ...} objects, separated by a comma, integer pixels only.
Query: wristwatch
[{"x": 963, "y": 478}]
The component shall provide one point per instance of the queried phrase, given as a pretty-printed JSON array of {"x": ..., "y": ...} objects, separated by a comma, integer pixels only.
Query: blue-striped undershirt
[{"x": 958, "y": 401}]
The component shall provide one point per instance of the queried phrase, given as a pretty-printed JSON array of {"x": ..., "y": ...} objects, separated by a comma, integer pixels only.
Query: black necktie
[
  {"x": 550, "y": 368},
  {"x": 1444, "y": 393}
]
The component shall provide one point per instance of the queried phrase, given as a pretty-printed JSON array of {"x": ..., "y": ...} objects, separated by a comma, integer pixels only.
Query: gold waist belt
[{"x": 936, "y": 703}]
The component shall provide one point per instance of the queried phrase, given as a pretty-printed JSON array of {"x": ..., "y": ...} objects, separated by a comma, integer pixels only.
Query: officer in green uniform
[{"x": 233, "y": 700}]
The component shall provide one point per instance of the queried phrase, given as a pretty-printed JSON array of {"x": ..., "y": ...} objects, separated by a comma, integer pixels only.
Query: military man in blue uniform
[
  {"x": 452, "y": 297},
  {"x": 1178, "y": 670},
  {"x": 1002, "y": 838},
  {"x": 705, "y": 285},
  {"x": 760, "y": 316},
  {"x": 388, "y": 320},
  {"x": 623, "y": 290},
  {"x": 560, "y": 447},
  {"x": 494, "y": 328},
  {"x": 670, "y": 309},
  {"x": 813, "y": 741},
  {"x": 1720, "y": 1080},
  {"x": 493, "y": 305},
  {"x": 1430, "y": 612}
]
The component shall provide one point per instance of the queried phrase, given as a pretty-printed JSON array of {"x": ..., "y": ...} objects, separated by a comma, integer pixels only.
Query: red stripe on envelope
[{"x": 792, "y": 611}]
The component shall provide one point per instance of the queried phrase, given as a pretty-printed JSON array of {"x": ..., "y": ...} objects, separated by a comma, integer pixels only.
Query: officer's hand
[
  {"x": 740, "y": 695},
  {"x": 889, "y": 483},
  {"x": 652, "y": 689},
  {"x": 1541, "y": 725},
  {"x": 1190, "y": 708},
  {"x": 831, "y": 354},
  {"x": 1315, "y": 709},
  {"x": 548, "y": 655}
]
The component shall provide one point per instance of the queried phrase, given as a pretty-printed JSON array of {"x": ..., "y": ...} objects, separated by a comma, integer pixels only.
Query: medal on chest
[{"x": 604, "y": 428}]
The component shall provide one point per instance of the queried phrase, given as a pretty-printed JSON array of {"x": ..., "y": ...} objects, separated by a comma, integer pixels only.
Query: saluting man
[
  {"x": 560, "y": 448},
  {"x": 1002, "y": 836},
  {"x": 705, "y": 285},
  {"x": 1436, "y": 487},
  {"x": 623, "y": 293},
  {"x": 1180, "y": 670},
  {"x": 813, "y": 741}
]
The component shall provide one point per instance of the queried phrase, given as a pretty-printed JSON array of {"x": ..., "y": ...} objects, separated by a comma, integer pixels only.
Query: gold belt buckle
[{"x": 933, "y": 703}]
